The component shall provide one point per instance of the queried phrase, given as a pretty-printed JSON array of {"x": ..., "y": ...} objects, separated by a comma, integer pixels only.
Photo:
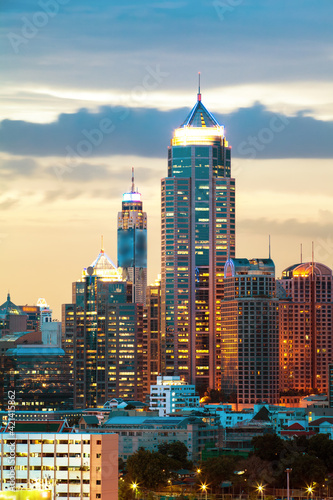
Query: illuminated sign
[
  {"x": 30, "y": 309},
  {"x": 131, "y": 197}
]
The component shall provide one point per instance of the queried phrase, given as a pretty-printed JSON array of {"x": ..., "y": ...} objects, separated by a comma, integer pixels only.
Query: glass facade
[
  {"x": 198, "y": 226},
  {"x": 132, "y": 243},
  {"x": 102, "y": 334}
]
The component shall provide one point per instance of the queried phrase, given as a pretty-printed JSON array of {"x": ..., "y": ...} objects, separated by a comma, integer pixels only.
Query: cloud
[
  {"x": 8, "y": 203},
  {"x": 253, "y": 132},
  {"x": 17, "y": 167},
  {"x": 292, "y": 226}
]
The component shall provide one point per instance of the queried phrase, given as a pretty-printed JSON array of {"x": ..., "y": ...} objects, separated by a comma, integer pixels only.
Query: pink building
[{"x": 305, "y": 318}]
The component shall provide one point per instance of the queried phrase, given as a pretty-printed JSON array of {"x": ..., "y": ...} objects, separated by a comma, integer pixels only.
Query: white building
[
  {"x": 39, "y": 455},
  {"x": 51, "y": 333},
  {"x": 171, "y": 395}
]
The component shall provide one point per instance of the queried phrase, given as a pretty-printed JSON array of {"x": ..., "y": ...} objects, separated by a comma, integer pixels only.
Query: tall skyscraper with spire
[
  {"x": 198, "y": 233},
  {"x": 132, "y": 243}
]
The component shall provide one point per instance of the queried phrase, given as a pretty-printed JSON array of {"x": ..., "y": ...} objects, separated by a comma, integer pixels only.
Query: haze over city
[{"x": 129, "y": 71}]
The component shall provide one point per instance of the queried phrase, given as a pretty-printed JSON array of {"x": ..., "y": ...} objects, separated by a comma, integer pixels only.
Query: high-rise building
[
  {"x": 305, "y": 318},
  {"x": 250, "y": 345},
  {"x": 40, "y": 376},
  {"x": 102, "y": 333},
  {"x": 151, "y": 351},
  {"x": 132, "y": 243},
  {"x": 198, "y": 221}
]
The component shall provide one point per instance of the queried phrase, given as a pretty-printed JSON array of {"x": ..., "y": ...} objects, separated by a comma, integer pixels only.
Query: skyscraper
[
  {"x": 198, "y": 220},
  {"x": 250, "y": 353},
  {"x": 132, "y": 243},
  {"x": 102, "y": 333},
  {"x": 305, "y": 316}
]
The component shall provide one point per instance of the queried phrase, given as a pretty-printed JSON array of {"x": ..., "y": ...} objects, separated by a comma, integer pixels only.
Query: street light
[
  {"x": 309, "y": 490},
  {"x": 260, "y": 489},
  {"x": 134, "y": 487},
  {"x": 288, "y": 471},
  {"x": 204, "y": 488}
]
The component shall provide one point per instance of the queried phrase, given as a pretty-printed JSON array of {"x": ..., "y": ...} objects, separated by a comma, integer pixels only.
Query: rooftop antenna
[
  {"x": 133, "y": 180},
  {"x": 102, "y": 244},
  {"x": 269, "y": 246},
  {"x": 199, "y": 92},
  {"x": 301, "y": 253},
  {"x": 312, "y": 258}
]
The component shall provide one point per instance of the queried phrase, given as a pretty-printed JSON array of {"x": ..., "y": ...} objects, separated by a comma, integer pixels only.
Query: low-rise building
[
  {"x": 149, "y": 432},
  {"x": 51, "y": 455},
  {"x": 171, "y": 395}
]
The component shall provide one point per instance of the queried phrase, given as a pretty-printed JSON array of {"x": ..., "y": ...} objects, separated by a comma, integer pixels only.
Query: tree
[
  {"x": 306, "y": 469},
  {"x": 268, "y": 447},
  {"x": 321, "y": 446},
  {"x": 176, "y": 453},
  {"x": 149, "y": 469},
  {"x": 257, "y": 470},
  {"x": 218, "y": 469}
]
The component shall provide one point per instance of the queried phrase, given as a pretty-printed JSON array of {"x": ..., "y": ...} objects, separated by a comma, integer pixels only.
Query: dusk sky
[{"x": 128, "y": 72}]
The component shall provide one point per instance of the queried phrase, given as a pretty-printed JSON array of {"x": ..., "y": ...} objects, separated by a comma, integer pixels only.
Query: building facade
[
  {"x": 151, "y": 345},
  {"x": 198, "y": 225},
  {"x": 102, "y": 334},
  {"x": 250, "y": 346},
  {"x": 170, "y": 395},
  {"x": 40, "y": 377},
  {"x": 132, "y": 243},
  {"x": 149, "y": 432},
  {"x": 48, "y": 455},
  {"x": 305, "y": 318}
]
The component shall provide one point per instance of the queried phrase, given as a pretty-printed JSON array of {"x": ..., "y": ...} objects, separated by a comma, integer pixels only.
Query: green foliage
[
  {"x": 216, "y": 470},
  {"x": 268, "y": 447},
  {"x": 124, "y": 491},
  {"x": 321, "y": 446},
  {"x": 148, "y": 469},
  {"x": 176, "y": 453}
]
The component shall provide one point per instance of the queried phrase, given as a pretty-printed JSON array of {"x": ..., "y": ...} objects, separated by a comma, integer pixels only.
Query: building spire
[
  {"x": 199, "y": 92},
  {"x": 132, "y": 190},
  {"x": 269, "y": 246},
  {"x": 102, "y": 244}
]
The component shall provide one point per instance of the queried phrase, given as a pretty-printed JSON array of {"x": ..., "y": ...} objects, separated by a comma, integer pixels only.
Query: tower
[
  {"x": 102, "y": 334},
  {"x": 250, "y": 355},
  {"x": 305, "y": 317},
  {"x": 198, "y": 220},
  {"x": 132, "y": 243}
]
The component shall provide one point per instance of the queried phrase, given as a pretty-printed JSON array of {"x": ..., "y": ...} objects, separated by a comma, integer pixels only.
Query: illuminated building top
[
  {"x": 132, "y": 199},
  {"x": 103, "y": 267},
  {"x": 9, "y": 307},
  {"x": 200, "y": 127},
  {"x": 305, "y": 269}
]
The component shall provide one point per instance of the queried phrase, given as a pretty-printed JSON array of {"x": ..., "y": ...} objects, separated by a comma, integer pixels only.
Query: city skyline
[{"x": 266, "y": 76}]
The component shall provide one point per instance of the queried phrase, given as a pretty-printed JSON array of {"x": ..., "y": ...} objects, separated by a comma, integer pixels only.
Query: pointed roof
[
  {"x": 103, "y": 262},
  {"x": 104, "y": 268},
  {"x": 9, "y": 307},
  {"x": 200, "y": 127},
  {"x": 263, "y": 414},
  {"x": 200, "y": 117}
]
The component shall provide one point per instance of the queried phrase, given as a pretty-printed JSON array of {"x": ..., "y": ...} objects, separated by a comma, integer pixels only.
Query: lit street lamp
[
  {"x": 204, "y": 488},
  {"x": 134, "y": 487},
  {"x": 260, "y": 489},
  {"x": 309, "y": 491}
]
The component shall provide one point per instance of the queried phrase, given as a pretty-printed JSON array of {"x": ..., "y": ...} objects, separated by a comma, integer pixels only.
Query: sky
[{"x": 91, "y": 89}]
